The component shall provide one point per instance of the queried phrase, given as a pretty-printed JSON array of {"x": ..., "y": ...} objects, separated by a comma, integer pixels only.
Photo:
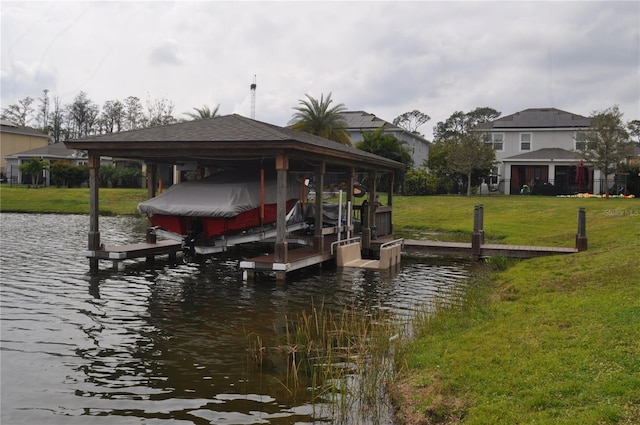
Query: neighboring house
[
  {"x": 537, "y": 147},
  {"x": 57, "y": 152},
  {"x": 15, "y": 138},
  {"x": 360, "y": 121},
  {"x": 634, "y": 159}
]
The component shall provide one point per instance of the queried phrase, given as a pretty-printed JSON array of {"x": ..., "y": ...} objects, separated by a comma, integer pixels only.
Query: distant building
[
  {"x": 57, "y": 152},
  {"x": 15, "y": 138},
  {"x": 360, "y": 121},
  {"x": 538, "y": 147}
]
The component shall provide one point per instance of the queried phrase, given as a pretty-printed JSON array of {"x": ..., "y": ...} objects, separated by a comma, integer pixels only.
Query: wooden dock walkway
[
  {"x": 486, "y": 250},
  {"x": 297, "y": 258},
  {"x": 148, "y": 250}
]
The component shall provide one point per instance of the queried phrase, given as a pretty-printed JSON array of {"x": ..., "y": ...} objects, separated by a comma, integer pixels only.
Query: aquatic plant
[{"x": 345, "y": 358}]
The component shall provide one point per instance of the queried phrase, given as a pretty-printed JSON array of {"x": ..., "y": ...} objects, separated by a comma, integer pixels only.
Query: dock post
[
  {"x": 581, "y": 236},
  {"x": 94, "y": 210},
  {"x": 151, "y": 238},
  {"x": 481, "y": 225},
  {"x": 477, "y": 237},
  {"x": 280, "y": 246}
]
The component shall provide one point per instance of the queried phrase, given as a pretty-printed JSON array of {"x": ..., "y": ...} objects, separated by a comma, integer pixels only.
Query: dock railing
[{"x": 344, "y": 242}]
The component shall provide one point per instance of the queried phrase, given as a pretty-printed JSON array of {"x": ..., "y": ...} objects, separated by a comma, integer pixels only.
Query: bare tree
[
  {"x": 133, "y": 114},
  {"x": 19, "y": 114},
  {"x": 42, "y": 117},
  {"x": 112, "y": 116},
  {"x": 57, "y": 131},
  {"x": 83, "y": 115},
  {"x": 159, "y": 112},
  {"x": 411, "y": 121}
]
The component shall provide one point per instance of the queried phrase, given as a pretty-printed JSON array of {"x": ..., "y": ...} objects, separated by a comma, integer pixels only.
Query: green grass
[
  {"x": 68, "y": 201},
  {"x": 548, "y": 340}
]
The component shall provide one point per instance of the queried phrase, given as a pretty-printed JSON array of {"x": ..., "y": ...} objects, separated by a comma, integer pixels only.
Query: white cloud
[{"x": 383, "y": 57}]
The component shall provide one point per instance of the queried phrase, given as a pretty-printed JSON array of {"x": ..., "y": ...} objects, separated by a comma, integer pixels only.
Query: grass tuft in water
[{"x": 344, "y": 357}]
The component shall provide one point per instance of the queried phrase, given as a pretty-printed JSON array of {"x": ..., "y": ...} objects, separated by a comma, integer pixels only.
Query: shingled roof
[
  {"x": 226, "y": 137},
  {"x": 9, "y": 127},
  {"x": 546, "y": 154},
  {"x": 56, "y": 150},
  {"x": 538, "y": 118}
]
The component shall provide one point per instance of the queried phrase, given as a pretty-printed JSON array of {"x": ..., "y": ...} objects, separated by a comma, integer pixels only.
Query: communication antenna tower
[{"x": 253, "y": 98}]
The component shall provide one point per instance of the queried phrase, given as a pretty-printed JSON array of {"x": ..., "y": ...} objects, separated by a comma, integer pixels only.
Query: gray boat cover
[{"x": 220, "y": 195}]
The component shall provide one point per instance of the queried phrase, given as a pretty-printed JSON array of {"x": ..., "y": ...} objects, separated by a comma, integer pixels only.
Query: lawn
[
  {"x": 68, "y": 201},
  {"x": 547, "y": 340}
]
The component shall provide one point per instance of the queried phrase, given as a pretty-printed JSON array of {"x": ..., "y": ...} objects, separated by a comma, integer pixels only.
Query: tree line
[
  {"x": 458, "y": 155},
  {"x": 83, "y": 117}
]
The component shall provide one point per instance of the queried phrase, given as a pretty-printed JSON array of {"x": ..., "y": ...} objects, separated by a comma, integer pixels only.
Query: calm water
[{"x": 163, "y": 346}]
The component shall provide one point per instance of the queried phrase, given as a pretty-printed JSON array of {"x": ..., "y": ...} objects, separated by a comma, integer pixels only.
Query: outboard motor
[{"x": 189, "y": 242}]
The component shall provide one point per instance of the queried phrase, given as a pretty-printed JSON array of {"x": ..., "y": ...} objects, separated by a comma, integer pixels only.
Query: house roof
[
  {"x": 538, "y": 118},
  {"x": 227, "y": 138},
  {"x": 546, "y": 154},
  {"x": 56, "y": 150},
  {"x": 9, "y": 127},
  {"x": 364, "y": 121}
]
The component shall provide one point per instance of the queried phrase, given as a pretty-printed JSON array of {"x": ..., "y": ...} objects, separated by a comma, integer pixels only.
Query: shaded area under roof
[{"x": 224, "y": 139}]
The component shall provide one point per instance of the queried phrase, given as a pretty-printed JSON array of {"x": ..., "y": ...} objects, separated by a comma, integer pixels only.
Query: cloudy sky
[{"x": 385, "y": 58}]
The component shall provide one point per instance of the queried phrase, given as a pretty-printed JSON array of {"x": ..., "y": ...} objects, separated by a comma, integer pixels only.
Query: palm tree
[
  {"x": 379, "y": 143},
  {"x": 316, "y": 117},
  {"x": 203, "y": 113},
  {"x": 34, "y": 167}
]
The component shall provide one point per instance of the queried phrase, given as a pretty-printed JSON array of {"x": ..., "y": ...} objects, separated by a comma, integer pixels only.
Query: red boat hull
[{"x": 215, "y": 226}]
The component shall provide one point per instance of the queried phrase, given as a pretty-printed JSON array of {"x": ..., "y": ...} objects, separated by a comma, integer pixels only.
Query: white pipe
[
  {"x": 349, "y": 218},
  {"x": 339, "y": 215}
]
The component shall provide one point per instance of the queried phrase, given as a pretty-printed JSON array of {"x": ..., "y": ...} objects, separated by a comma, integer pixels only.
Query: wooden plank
[{"x": 137, "y": 250}]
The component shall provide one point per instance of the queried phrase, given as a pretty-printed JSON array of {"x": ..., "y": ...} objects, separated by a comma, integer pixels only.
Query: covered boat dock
[{"x": 239, "y": 143}]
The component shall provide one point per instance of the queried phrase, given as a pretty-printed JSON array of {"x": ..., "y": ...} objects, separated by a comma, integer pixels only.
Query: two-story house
[
  {"x": 15, "y": 138},
  {"x": 538, "y": 147},
  {"x": 360, "y": 121}
]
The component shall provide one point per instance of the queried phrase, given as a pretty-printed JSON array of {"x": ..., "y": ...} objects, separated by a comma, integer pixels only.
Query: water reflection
[{"x": 169, "y": 344}]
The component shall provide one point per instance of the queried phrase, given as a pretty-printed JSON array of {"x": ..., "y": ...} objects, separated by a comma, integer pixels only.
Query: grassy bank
[
  {"x": 68, "y": 201},
  {"x": 550, "y": 340}
]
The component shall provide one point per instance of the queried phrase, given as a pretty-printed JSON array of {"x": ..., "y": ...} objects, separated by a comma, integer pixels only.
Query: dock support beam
[
  {"x": 151, "y": 179},
  {"x": 94, "y": 208},
  {"x": 318, "y": 239},
  {"x": 581, "y": 236},
  {"x": 369, "y": 223},
  {"x": 280, "y": 247}
]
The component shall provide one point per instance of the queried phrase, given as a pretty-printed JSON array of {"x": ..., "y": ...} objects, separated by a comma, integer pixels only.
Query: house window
[
  {"x": 496, "y": 140},
  {"x": 581, "y": 141},
  {"x": 525, "y": 141}
]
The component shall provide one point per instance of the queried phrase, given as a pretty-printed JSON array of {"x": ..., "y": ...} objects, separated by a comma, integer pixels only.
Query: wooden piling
[
  {"x": 94, "y": 229},
  {"x": 477, "y": 239},
  {"x": 581, "y": 236}
]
